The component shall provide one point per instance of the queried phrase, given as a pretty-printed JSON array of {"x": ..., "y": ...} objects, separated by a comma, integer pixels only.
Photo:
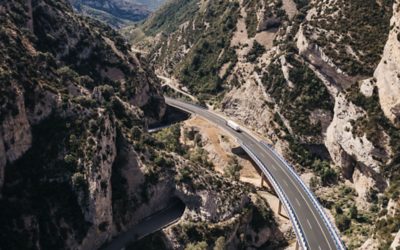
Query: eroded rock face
[
  {"x": 247, "y": 102},
  {"x": 59, "y": 120},
  {"x": 387, "y": 73},
  {"x": 98, "y": 172},
  {"x": 340, "y": 138},
  {"x": 16, "y": 131},
  {"x": 396, "y": 241},
  {"x": 3, "y": 162},
  {"x": 15, "y": 136}
]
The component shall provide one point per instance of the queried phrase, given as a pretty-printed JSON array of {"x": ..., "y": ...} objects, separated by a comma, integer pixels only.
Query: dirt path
[{"x": 175, "y": 86}]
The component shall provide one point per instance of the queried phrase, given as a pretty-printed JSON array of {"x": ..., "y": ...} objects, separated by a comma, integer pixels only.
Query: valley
[{"x": 116, "y": 124}]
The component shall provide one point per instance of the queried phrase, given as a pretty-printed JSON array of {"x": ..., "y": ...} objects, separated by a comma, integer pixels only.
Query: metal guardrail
[
  {"x": 282, "y": 197},
  {"x": 332, "y": 230}
]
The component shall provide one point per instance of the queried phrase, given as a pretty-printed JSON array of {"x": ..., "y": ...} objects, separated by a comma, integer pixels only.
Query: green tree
[
  {"x": 342, "y": 222},
  {"x": 353, "y": 212},
  {"x": 233, "y": 169}
]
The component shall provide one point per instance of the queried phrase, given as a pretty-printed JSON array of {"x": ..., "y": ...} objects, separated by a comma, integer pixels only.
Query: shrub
[
  {"x": 372, "y": 195},
  {"x": 256, "y": 51},
  {"x": 78, "y": 180},
  {"x": 353, "y": 212},
  {"x": 70, "y": 160},
  {"x": 170, "y": 139},
  {"x": 343, "y": 222},
  {"x": 233, "y": 169}
]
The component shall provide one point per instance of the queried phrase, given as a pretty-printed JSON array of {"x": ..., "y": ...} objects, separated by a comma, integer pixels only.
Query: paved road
[
  {"x": 148, "y": 226},
  {"x": 314, "y": 227}
]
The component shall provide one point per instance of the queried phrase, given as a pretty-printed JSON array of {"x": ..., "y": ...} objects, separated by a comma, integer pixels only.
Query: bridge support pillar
[
  {"x": 280, "y": 208},
  {"x": 268, "y": 184}
]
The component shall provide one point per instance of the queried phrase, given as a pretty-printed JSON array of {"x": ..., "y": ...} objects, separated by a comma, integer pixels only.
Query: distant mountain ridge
[{"x": 117, "y": 13}]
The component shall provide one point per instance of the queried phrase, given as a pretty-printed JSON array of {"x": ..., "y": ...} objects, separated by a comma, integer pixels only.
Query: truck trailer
[{"x": 233, "y": 125}]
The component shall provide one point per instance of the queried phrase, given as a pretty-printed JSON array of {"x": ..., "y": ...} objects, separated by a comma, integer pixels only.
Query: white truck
[{"x": 233, "y": 125}]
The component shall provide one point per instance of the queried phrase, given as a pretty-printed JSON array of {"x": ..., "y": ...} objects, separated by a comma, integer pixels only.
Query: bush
[
  {"x": 372, "y": 195},
  {"x": 78, "y": 180},
  {"x": 353, "y": 212},
  {"x": 170, "y": 139},
  {"x": 343, "y": 222},
  {"x": 70, "y": 161},
  {"x": 256, "y": 51},
  {"x": 233, "y": 169}
]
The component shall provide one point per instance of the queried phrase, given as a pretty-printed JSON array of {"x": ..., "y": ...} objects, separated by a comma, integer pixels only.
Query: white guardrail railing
[
  {"x": 282, "y": 197},
  {"x": 332, "y": 230}
]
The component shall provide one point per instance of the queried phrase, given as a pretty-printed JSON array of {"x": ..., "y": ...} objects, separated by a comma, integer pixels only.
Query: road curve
[{"x": 312, "y": 227}]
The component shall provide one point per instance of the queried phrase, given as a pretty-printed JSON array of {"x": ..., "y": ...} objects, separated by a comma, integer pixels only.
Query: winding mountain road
[{"x": 311, "y": 225}]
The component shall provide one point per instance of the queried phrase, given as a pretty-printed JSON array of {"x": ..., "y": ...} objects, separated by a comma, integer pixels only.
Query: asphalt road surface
[
  {"x": 317, "y": 234},
  {"x": 149, "y": 225}
]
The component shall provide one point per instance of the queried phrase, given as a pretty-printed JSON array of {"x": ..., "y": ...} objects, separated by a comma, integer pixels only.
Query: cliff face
[
  {"x": 387, "y": 72},
  {"x": 67, "y": 84},
  {"x": 77, "y": 166},
  {"x": 314, "y": 77}
]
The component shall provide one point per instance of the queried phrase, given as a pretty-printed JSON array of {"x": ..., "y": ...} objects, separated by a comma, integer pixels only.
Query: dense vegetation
[
  {"x": 72, "y": 110},
  {"x": 169, "y": 17},
  {"x": 207, "y": 36},
  {"x": 297, "y": 103},
  {"x": 39, "y": 195},
  {"x": 199, "y": 70},
  {"x": 362, "y": 33}
]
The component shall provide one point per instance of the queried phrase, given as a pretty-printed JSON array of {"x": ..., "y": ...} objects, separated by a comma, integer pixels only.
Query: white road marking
[
  {"x": 312, "y": 211},
  {"x": 309, "y": 224},
  {"x": 286, "y": 183},
  {"x": 298, "y": 202},
  {"x": 179, "y": 106}
]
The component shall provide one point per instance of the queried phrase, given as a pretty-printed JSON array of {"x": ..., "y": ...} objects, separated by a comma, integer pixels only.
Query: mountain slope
[
  {"x": 77, "y": 165},
  {"x": 316, "y": 78},
  {"x": 117, "y": 13}
]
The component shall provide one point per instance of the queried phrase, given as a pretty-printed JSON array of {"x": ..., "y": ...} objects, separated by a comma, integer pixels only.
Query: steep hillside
[
  {"x": 116, "y": 13},
  {"x": 151, "y": 4},
  {"x": 316, "y": 78},
  {"x": 77, "y": 166}
]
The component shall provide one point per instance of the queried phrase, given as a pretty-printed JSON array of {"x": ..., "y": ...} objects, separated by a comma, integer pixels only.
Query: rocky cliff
[
  {"x": 77, "y": 166},
  {"x": 315, "y": 77},
  {"x": 60, "y": 78}
]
